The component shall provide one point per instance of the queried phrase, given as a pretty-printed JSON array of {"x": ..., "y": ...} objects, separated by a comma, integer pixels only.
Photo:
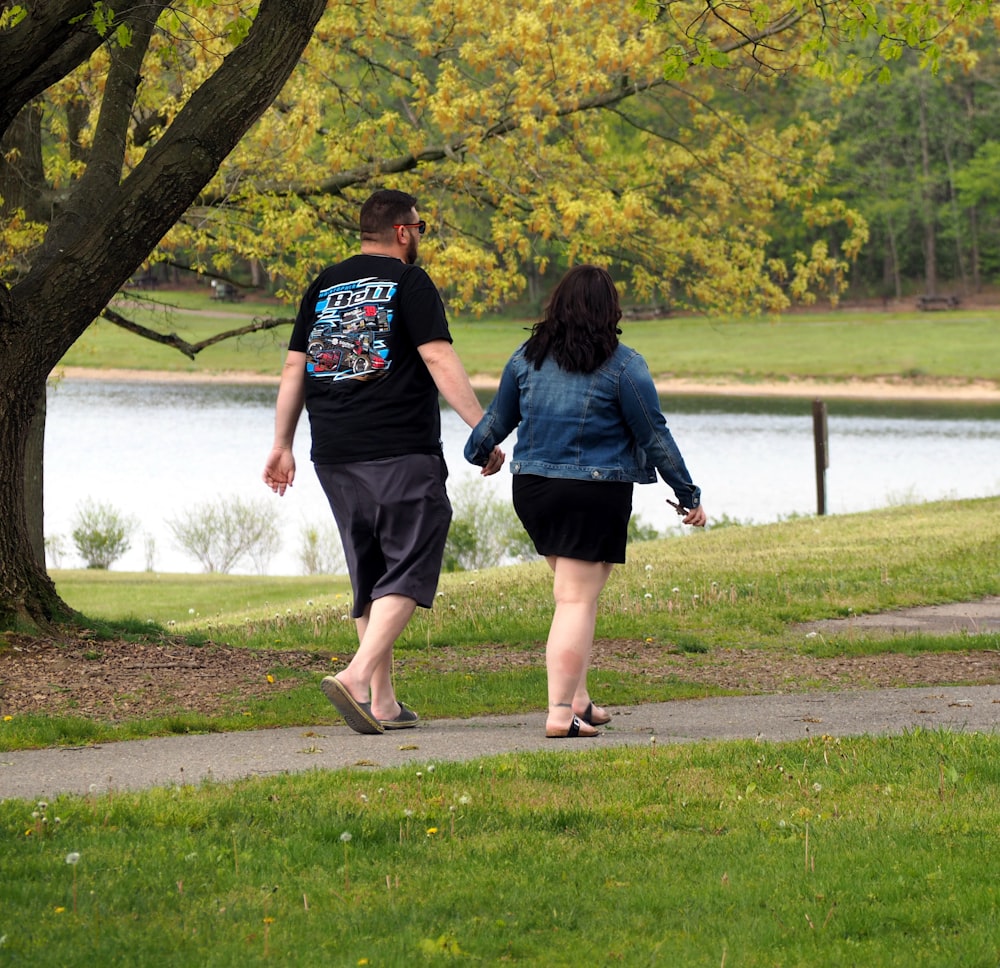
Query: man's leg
[{"x": 370, "y": 671}]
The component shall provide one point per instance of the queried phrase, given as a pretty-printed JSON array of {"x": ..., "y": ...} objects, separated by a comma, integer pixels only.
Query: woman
[{"x": 589, "y": 426}]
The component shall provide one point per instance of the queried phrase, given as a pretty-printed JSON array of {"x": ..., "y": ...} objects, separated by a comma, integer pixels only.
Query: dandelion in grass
[
  {"x": 73, "y": 859},
  {"x": 345, "y": 839},
  {"x": 431, "y": 831},
  {"x": 8, "y": 719}
]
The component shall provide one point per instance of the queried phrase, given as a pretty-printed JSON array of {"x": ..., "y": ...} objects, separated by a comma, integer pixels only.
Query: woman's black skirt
[{"x": 587, "y": 520}]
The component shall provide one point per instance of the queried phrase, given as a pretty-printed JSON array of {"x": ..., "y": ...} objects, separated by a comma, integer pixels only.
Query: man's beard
[{"x": 411, "y": 251}]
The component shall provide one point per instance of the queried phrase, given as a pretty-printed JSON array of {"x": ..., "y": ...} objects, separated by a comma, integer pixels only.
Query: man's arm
[
  {"x": 279, "y": 470},
  {"x": 451, "y": 379},
  {"x": 453, "y": 384}
]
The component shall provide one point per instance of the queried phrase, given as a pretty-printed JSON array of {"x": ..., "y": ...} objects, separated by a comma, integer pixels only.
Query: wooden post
[{"x": 822, "y": 446}]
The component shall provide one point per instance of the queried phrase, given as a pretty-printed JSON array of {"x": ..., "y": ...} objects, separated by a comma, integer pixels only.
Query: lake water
[{"x": 153, "y": 450}]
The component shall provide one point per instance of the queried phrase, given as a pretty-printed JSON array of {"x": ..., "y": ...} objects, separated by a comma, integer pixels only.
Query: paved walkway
[
  {"x": 135, "y": 765},
  {"x": 35, "y": 774}
]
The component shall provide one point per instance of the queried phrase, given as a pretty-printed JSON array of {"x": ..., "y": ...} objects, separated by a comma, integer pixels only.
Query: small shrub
[
  {"x": 485, "y": 531},
  {"x": 221, "y": 533},
  {"x": 55, "y": 548},
  {"x": 320, "y": 551},
  {"x": 101, "y": 534},
  {"x": 638, "y": 530}
]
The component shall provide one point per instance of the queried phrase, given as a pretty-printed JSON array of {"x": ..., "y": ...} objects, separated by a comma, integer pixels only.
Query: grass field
[
  {"x": 816, "y": 854},
  {"x": 853, "y": 852},
  {"x": 826, "y": 345}
]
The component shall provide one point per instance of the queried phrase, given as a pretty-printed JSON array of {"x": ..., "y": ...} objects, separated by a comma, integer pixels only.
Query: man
[{"x": 369, "y": 353}]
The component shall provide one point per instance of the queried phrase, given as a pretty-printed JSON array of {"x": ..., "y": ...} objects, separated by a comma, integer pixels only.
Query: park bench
[
  {"x": 937, "y": 302},
  {"x": 225, "y": 292}
]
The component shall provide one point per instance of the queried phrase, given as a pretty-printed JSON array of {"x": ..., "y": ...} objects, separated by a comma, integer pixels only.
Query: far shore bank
[{"x": 971, "y": 391}]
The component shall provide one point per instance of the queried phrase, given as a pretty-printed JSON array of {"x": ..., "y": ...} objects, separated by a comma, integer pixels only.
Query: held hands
[
  {"x": 279, "y": 471},
  {"x": 494, "y": 462}
]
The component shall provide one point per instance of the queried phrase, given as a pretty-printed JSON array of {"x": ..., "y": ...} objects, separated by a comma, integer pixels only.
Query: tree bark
[{"x": 108, "y": 226}]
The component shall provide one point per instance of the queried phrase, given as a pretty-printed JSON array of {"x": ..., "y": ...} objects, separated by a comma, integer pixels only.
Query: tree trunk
[
  {"x": 930, "y": 228},
  {"x": 27, "y": 595},
  {"x": 34, "y": 481}
]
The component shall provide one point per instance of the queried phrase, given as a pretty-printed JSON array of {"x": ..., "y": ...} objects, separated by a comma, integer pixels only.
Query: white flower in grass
[
  {"x": 345, "y": 837},
  {"x": 73, "y": 858}
]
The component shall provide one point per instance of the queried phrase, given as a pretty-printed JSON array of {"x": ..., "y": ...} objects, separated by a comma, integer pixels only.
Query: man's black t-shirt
[{"x": 367, "y": 390}]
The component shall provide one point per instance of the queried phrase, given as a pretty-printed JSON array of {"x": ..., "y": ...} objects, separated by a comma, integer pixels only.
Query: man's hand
[{"x": 279, "y": 471}]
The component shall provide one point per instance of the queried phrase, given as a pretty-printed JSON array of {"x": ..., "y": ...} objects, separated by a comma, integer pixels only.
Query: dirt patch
[{"x": 113, "y": 681}]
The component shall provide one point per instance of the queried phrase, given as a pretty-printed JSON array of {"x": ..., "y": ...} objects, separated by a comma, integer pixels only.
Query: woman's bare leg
[{"x": 576, "y": 586}]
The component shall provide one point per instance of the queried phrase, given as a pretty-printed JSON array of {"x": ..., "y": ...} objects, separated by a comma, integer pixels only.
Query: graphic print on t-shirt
[{"x": 348, "y": 339}]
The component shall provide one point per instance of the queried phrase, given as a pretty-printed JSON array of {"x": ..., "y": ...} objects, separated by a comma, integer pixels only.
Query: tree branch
[
  {"x": 103, "y": 173},
  {"x": 53, "y": 39},
  {"x": 190, "y": 350}
]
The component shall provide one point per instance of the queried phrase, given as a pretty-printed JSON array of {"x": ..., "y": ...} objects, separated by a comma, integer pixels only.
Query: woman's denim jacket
[{"x": 600, "y": 426}]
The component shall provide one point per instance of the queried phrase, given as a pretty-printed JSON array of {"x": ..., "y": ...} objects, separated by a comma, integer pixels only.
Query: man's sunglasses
[{"x": 420, "y": 226}]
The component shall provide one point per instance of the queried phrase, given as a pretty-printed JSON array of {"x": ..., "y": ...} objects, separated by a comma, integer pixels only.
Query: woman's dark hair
[
  {"x": 580, "y": 327},
  {"x": 382, "y": 210}
]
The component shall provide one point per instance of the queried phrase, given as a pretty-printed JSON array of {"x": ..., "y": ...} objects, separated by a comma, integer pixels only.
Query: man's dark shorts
[{"x": 393, "y": 516}]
